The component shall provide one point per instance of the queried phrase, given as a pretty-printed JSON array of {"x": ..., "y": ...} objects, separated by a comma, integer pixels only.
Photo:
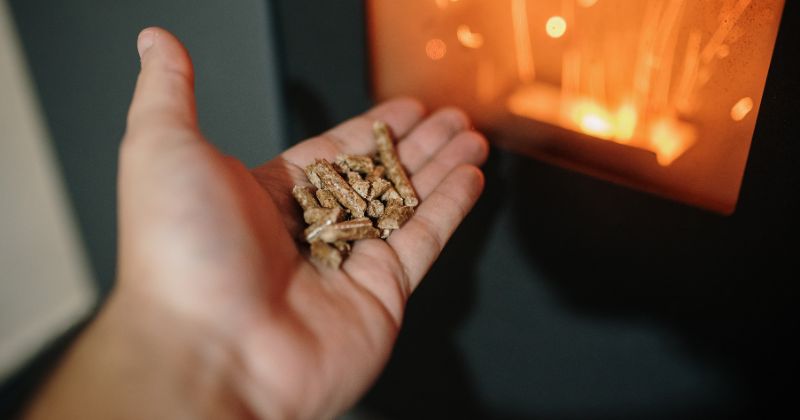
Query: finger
[
  {"x": 375, "y": 267},
  {"x": 468, "y": 147},
  {"x": 421, "y": 240},
  {"x": 355, "y": 135},
  {"x": 370, "y": 258},
  {"x": 417, "y": 147},
  {"x": 164, "y": 99},
  {"x": 430, "y": 136}
]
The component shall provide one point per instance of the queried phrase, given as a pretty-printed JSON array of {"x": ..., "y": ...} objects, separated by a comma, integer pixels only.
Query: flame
[
  {"x": 597, "y": 121},
  {"x": 666, "y": 136},
  {"x": 627, "y": 120},
  {"x": 670, "y": 139},
  {"x": 593, "y": 119},
  {"x": 589, "y": 100}
]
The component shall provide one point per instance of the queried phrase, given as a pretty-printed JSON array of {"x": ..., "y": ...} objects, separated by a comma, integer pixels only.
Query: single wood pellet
[
  {"x": 326, "y": 199},
  {"x": 394, "y": 170},
  {"x": 360, "y": 164}
]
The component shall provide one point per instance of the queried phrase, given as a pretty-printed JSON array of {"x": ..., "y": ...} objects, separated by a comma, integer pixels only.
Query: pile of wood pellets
[{"x": 354, "y": 198}]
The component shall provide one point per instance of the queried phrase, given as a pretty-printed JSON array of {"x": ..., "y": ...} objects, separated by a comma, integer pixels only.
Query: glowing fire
[
  {"x": 667, "y": 137},
  {"x": 592, "y": 119},
  {"x": 645, "y": 111},
  {"x": 661, "y": 94}
]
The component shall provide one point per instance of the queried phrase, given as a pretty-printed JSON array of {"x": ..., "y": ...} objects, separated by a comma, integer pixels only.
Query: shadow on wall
[
  {"x": 711, "y": 280},
  {"x": 427, "y": 375},
  {"x": 609, "y": 253}
]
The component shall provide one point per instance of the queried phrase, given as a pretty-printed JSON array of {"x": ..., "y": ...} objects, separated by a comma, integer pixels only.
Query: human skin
[{"x": 217, "y": 311}]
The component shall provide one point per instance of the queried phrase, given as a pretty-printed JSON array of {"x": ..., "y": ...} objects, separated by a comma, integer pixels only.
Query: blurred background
[{"x": 562, "y": 296}]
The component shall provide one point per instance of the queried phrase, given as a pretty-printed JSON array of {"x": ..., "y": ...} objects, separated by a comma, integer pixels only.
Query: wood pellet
[{"x": 355, "y": 198}]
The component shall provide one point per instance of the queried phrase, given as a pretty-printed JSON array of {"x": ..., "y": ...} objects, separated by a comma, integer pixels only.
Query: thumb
[{"x": 164, "y": 98}]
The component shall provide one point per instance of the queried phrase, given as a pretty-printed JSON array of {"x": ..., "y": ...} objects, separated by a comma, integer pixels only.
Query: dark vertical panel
[{"x": 323, "y": 60}]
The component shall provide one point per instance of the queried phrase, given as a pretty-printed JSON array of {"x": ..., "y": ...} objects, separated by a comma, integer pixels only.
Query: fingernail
[{"x": 146, "y": 40}]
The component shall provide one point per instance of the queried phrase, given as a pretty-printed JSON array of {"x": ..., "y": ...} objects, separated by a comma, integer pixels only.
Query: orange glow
[
  {"x": 522, "y": 41},
  {"x": 597, "y": 125},
  {"x": 538, "y": 101},
  {"x": 436, "y": 49},
  {"x": 636, "y": 91},
  {"x": 728, "y": 23},
  {"x": 742, "y": 108},
  {"x": 592, "y": 119},
  {"x": 670, "y": 140},
  {"x": 443, "y": 3},
  {"x": 627, "y": 120},
  {"x": 597, "y": 121},
  {"x": 485, "y": 83},
  {"x": 667, "y": 138},
  {"x": 724, "y": 51},
  {"x": 556, "y": 27},
  {"x": 468, "y": 38}
]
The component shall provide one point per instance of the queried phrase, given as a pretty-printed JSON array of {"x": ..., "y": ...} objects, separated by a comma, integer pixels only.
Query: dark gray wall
[
  {"x": 561, "y": 296},
  {"x": 325, "y": 72},
  {"x": 84, "y": 62}
]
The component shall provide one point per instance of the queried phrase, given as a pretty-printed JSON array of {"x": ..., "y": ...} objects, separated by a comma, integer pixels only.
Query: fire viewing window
[{"x": 662, "y": 95}]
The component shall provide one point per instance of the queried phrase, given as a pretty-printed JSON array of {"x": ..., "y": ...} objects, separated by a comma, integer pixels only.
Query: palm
[{"x": 303, "y": 329}]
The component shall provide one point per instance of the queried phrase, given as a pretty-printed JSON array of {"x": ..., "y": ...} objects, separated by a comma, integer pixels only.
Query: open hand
[{"x": 218, "y": 311}]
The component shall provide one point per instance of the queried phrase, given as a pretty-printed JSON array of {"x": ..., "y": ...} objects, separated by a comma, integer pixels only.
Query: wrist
[{"x": 141, "y": 360}]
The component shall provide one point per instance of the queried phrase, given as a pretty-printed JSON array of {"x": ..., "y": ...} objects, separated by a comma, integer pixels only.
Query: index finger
[{"x": 355, "y": 136}]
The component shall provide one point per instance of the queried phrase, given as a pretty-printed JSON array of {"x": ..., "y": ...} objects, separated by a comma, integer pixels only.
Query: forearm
[{"x": 137, "y": 362}]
